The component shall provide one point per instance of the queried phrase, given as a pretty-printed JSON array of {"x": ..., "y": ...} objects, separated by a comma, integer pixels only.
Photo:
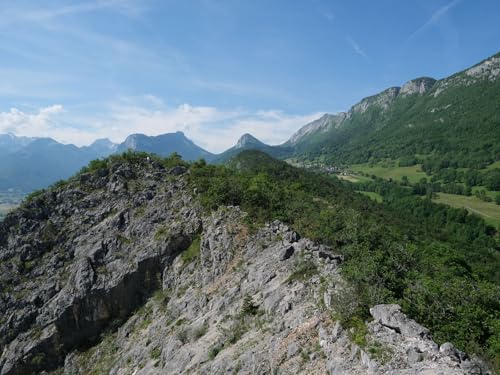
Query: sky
[{"x": 215, "y": 69}]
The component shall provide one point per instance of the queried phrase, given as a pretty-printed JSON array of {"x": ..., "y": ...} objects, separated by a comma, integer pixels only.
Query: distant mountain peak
[
  {"x": 102, "y": 142},
  {"x": 247, "y": 139},
  {"x": 165, "y": 144}
]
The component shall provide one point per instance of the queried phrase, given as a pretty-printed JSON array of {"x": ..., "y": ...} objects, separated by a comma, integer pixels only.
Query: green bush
[{"x": 192, "y": 252}]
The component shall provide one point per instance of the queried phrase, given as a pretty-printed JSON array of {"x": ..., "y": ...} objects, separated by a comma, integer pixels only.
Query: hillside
[
  {"x": 145, "y": 265},
  {"x": 39, "y": 162},
  {"x": 249, "y": 142},
  {"x": 450, "y": 122}
]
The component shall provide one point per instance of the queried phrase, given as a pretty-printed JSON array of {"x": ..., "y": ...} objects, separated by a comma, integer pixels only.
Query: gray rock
[
  {"x": 414, "y": 355},
  {"x": 177, "y": 171},
  {"x": 286, "y": 253},
  {"x": 391, "y": 317},
  {"x": 448, "y": 349},
  {"x": 292, "y": 349}
]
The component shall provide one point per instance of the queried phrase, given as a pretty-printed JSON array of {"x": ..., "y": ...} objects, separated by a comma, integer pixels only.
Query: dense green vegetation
[
  {"x": 432, "y": 130},
  {"x": 488, "y": 211},
  {"x": 448, "y": 136},
  {"x": 441, "y": 264},
  {"x": 466, "y": 193}
]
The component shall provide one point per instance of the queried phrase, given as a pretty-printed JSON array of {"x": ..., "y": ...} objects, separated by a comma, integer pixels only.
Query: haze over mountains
[
  {"x": 423, "y": 117},
  {"x": 34, "y": 163}
]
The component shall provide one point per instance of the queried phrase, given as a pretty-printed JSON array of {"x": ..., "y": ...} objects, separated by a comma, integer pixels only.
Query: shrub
[
  {"x": 192, "y": 252},
  {"x": 248, "y": 308},
  {"x": 155, "y": 353}
]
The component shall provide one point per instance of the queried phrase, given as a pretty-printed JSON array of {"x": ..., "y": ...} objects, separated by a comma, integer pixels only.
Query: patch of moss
[{"x": 192, "y": 252}]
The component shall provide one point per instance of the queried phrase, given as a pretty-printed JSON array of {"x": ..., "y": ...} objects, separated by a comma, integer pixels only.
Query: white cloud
[
  {"x": 356, "y": 47},
  {"x": 211, "y": 128},
  {"x": 21, "y": 123}
]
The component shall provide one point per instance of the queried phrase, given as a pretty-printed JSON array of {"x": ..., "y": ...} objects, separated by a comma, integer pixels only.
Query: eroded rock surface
[
  {"x": 82, "y": 257},
  {"x": 120, "y": 272}
]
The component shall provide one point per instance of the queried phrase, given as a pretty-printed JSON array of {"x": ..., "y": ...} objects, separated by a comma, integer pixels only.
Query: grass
[
  {"x": 303, "y": 271},
  {"x": 354, "y": 179},
  {"x": 490, "y": 193},
  {"x": 494, "y": 165},
  {"x": 161, "y": 233},
  {"x": 192, "y": 252},
  {"x": 489, "y": 211},
  {"x": 372, "y": 195},
  {"x": 414, "y": 173}
]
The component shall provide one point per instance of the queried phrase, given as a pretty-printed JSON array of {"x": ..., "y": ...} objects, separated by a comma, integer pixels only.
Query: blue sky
[{"x": 215, "y": 69}]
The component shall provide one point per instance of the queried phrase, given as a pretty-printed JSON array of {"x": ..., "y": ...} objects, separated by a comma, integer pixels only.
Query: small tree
[{"x": 248, "y": 307}]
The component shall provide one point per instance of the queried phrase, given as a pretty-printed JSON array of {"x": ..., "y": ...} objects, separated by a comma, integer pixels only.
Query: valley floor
[
  {"x": 9, "y": 201},
  {"x": 489, "y": 211}
]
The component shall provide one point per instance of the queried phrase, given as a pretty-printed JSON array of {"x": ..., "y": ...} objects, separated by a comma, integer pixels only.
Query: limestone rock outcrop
[{"x": 120, "y": 271}]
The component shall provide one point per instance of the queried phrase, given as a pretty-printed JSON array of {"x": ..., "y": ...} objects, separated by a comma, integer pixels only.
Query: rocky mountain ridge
[
  {"x": 320, "y": 125},
  {"x": 120, "y": 271},
  {"x": 488, "y": 70}
]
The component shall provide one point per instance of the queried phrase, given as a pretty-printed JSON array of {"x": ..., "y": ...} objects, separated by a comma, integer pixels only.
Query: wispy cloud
[
  {"x": 435, "y": 17},
  {"x": 43, "y": 14},
  {"x": 210, "y": 127},
  {"x": 327, "y": 14},
  {"x": 356, "y": 47}
]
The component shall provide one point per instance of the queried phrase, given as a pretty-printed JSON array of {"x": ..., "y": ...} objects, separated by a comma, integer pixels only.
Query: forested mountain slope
[{"x": 450, "y": 122}]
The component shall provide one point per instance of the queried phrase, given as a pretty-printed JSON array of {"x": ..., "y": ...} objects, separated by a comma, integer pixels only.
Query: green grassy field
[
  {"x": 354, "y": 179},
  {"x": 490, "y": 193},
  {"x": 489, "y": 211},
  {"x": 494, "y": 165},
  {"x": 414, "y": 173},
  {"x": 376, "y": 197}
]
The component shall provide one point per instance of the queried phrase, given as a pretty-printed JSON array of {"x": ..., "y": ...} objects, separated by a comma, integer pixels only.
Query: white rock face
[
  {"x": 382, "y": 100},
  {"x": 489, "y": 69},
  {"x": 417, "y": 86},
  {"x": 322, "y": 124}
]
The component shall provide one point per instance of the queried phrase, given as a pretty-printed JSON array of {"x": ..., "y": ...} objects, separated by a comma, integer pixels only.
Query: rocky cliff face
[
  {"x": 121, "y": 272},
  {"x": 322, "y": 124},
  {"x": 486, "y": 71},
  {"x": 417, "y": 86}
]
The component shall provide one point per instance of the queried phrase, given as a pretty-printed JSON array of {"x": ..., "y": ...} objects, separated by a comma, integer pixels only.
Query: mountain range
[
  {"x": 33, "y": 163},
  {"x": 453, "y": 121}
]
